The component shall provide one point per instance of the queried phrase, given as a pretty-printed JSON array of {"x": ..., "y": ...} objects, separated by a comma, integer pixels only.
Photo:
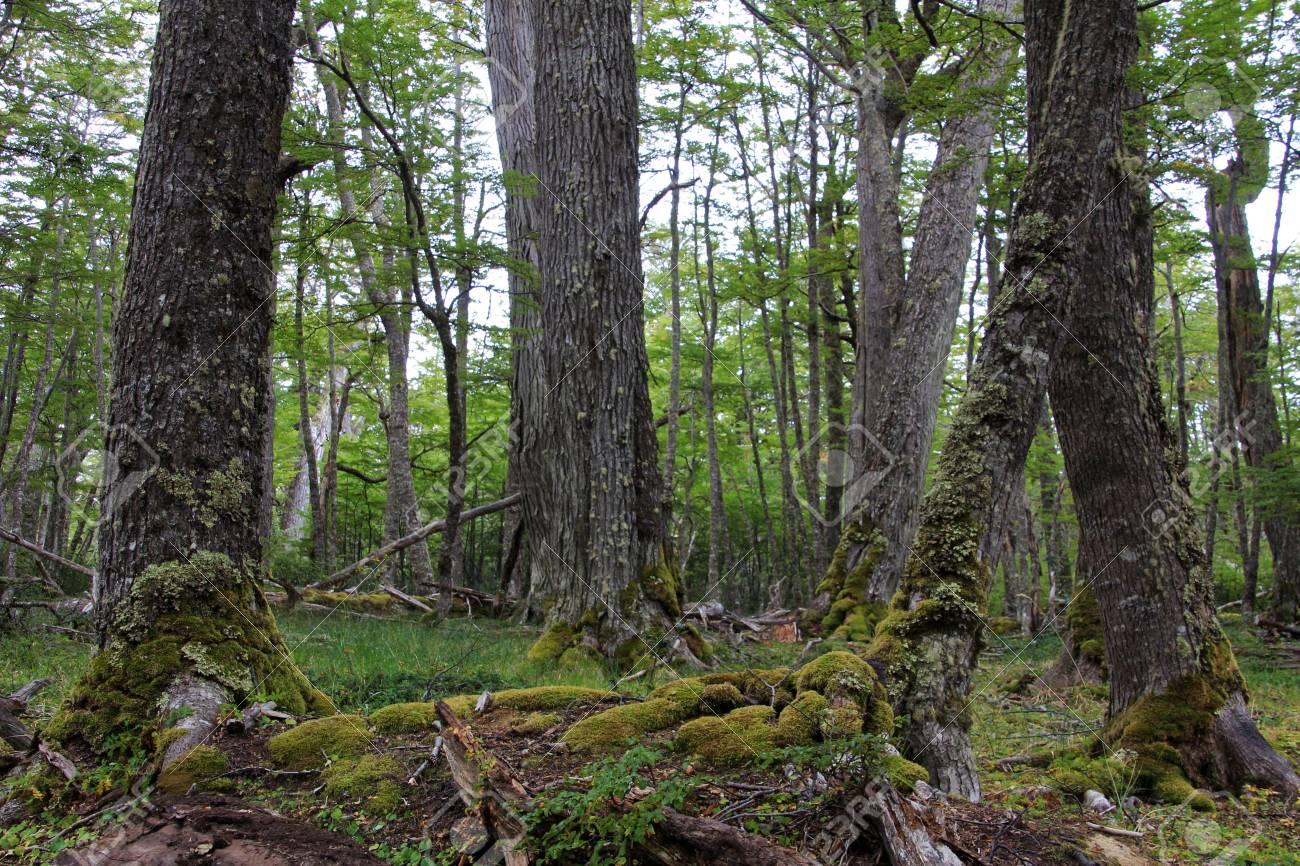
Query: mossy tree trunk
[
  {"x": 180, "y": 614},
  {"x": 1176, "y": 697},
  {"x": 905, "y": 328},
  {"x": 929, "y": 640},
  {"x": 600, "y": 560}
]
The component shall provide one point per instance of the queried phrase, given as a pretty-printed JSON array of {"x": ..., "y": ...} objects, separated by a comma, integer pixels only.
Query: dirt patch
[{"x": 213, "y": 830}]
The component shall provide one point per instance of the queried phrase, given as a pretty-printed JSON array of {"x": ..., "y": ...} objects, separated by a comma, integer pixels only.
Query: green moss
[
  {"x": 659, "y": 583},
  {"x": 371, "y": 779},
  {"x": 902, "y": 773},
  {"x": 851, "y": 615},
  {"x": 616, "y": 726},
  {"x": 801, "y": 721},
  {"x": 177, "y": 619},
  {"x": 724, "y": 741},
  {"x": 549, "y": 697},
  {"x": 579, "y": 657},
  {"x": 360, "y": 601},
  {"x": 404, "y": 718},
  {"x": 721, "y": 697},
  {"x": 845, "y": 679},
  {"x": 552, "y": 644},
  {"x": 1004, "y": 625},
  {"x": 535, "y": 723},
  {"x": 1086, "y": 636},
  {"x": 196, "y": 767},
  {"x": 307, "y": 746}
]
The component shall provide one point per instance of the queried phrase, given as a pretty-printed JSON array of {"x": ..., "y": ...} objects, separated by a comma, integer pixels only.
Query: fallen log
[
  {"x": 407, "y": 599},
  {"x": 405, "y": 541}
]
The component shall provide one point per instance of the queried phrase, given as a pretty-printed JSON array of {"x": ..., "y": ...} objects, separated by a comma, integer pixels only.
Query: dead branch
[
  {"x": 406, "y": 541},
  {"x": 13, "y": 538}
]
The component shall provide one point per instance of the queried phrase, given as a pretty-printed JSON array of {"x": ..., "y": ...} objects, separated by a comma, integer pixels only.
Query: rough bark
[
  {"x": 1177, "y": 698},
  {"x": 1245, "y": 327},
  {"x": 511, "y": 72},
  {"x": 928, "y": 642},
  {"x": 178, "y": 602},
  {"x": 600, "y": 556}
]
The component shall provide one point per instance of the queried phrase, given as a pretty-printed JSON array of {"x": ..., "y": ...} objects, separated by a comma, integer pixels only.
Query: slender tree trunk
[
  {"x": 708, "y": 313},
  {"x": 308, "y": 434},
  {"x": 905, "y": 331},
  {"x": 511, "y": 73},
  {"x": 1254, "y": 410},
  {"x": 178, "y": 599}
]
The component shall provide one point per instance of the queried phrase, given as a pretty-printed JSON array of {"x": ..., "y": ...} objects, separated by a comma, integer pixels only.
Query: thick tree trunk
[
  {"x": 601, "y": 563},
  {"x": 1176, "y": 696},
  {"x": 180, "y": 613},
  {"x": 929, "y": 640}
]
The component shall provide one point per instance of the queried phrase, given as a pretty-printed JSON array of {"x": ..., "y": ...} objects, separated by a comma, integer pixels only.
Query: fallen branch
[
  {"x": 1115, "y": 831},
  {"x": 407, "y": 540},
  {"x": 13, "y": 538},
  {"x": 407, "y": 599}
]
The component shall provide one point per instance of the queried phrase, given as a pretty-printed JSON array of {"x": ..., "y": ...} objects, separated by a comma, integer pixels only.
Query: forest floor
[{"x": 1027, "y": 737}]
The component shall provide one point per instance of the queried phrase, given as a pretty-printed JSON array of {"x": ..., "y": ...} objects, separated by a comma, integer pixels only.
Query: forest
[{"x": 664, "y": 432}]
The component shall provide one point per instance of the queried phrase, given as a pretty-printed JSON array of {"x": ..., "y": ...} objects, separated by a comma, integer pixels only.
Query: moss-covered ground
[{"x": 355, "y": 782}]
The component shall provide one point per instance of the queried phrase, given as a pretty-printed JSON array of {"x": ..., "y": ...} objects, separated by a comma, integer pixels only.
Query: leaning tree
[{"x": 182, "y": 623}]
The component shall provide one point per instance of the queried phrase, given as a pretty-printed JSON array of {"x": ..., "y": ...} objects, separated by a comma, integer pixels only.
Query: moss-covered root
[
  {"x": 199, "y": 767},
  {"x": 370, "y": 780},
  {"x": 313, "y": 744},
  {"x": 204, "y": 619},
  {"x": 646, "y": 631},
  {"x": 1198, "y": 731}
]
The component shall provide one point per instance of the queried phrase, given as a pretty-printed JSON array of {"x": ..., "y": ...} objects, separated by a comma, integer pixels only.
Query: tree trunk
[
  {"x": 929, "y": 640},
  {"x": 905, "y": 329},
  {"x": 1177, "y": 698},
  {"x": 511, "y": 72},
  {"x": 308, "y": 432},
  {"x": 1245, "y": 327},
  {"x": 181, "y": 617},
  {"x": 601, "y": 560}
]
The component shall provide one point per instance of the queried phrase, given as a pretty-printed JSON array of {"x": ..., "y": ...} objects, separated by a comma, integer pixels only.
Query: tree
[
  {"x": 1177, "y": 698},
  {"x": 183, "y": 625},
  {"x": 930, "y": 637},
  {"x": 600, "y": 559}
]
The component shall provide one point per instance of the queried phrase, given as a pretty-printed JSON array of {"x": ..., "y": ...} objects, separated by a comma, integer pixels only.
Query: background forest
[{"x": 874, "y": 248}]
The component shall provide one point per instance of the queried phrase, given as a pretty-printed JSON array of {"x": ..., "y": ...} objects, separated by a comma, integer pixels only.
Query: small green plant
[{"x": 611, "y": 816}]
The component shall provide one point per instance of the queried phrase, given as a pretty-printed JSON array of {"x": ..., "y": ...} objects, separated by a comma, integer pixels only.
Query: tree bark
[
  {"x": 1245, "y": 327},
  {"x": 1076, "y": 65},
  {"x": 905, "y": 329},
  {"x": 178, "y": 604},
  {"x": 1177, "y": 698},
  {"x": 593, "y": 502}
]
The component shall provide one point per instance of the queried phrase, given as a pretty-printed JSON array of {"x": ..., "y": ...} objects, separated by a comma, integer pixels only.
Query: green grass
[
  {"x": 41, "y": 655},
  {"x": 366, "y": 663}
]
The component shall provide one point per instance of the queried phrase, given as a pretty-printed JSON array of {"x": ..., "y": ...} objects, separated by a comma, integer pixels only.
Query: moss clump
[
  {"x": 535, "y": 723},
  {"x": 847, "y": 681},
  {"x": 361, "y": 601},
  {"x": 548, "y": 697},
  {"x": 721, "y": 697},
  {"x": 371, "y": 779},
  {"x": 1086, "y": 638},
  {"x": 1004, "y": 625},
  {"x": 802, "y": 720},
  {"x": 902, "y": 773},
  {"x": 308, "y": 746},
  {"x": 551, "y": 645},
  {"x": 851, "y": 615},
  {"x": 659, "y": 583},
  {"x": 177, "y": 619},
  {"x": 198, "y": 767},
  {"x": 725, "y": 741},
  {"x": 404, "y": 718},
  {"x": 581, "y": 656},
  {"x": 617, "y": 725}
]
